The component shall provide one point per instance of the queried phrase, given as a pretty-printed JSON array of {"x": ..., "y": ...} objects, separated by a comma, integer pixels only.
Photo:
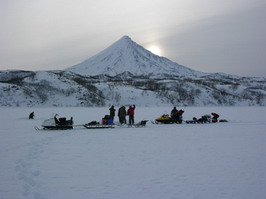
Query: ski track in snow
[
  {"x": 28, "y": 170},
  {"x": 223, "y": 160}
]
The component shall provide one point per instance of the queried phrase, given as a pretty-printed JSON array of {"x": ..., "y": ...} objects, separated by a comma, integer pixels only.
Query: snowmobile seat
[{"x": 62, "y": 119}]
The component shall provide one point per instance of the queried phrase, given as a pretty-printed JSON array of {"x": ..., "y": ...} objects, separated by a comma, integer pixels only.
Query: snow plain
[{"x": 188, "y": 161}]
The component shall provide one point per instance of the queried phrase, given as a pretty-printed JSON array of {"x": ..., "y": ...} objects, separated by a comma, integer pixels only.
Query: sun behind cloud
[{"x": 155, "y": 50}]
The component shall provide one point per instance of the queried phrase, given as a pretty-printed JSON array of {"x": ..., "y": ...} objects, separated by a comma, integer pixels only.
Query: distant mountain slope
[
  {"x": 47, "y": 88},
  {"x": 127, "y": 56}
]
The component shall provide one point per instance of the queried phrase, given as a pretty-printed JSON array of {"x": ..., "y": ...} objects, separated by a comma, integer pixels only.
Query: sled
[
  {"x": 139, "y": 125},
  {"x": 97, "y": 125},
  {"x": 197, "y": 122},
  {"x": 223, "y": 120},
  {"x": 204, "y": 120}
]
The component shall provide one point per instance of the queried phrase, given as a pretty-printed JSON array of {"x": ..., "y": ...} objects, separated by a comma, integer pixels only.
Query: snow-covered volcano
[{"x": 126, "y": 55}]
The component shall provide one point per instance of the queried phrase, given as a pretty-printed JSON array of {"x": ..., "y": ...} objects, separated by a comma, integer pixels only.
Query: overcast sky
[{"x": 207, "y": 35}]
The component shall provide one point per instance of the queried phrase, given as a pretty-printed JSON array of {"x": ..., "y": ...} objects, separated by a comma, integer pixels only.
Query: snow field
[{"x": 223, "y": 160}]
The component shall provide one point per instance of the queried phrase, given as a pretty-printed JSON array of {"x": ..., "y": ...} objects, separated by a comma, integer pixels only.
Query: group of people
[
  {"x": 177, "y": 115},
  {"x": 122, "y": 113}
]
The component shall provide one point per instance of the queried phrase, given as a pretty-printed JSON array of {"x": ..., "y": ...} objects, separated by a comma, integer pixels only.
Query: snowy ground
[{"x": 204, "y": 161}]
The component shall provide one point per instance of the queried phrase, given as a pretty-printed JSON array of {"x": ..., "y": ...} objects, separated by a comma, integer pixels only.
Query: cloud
[{"x": 232, "y": 43}]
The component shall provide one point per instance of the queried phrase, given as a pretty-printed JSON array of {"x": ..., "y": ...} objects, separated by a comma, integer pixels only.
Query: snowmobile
[
  {"x": 55, "y": 123},
  {"x": 165, "y": 119}
]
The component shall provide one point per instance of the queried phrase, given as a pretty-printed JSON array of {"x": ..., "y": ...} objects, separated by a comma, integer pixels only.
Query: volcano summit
[{"x": 126, "y": 55}]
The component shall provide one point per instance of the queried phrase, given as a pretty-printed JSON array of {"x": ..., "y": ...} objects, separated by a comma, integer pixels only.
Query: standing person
[
  {"x": 131, "y": 113},
  {"x": 122, "y": 115},
  {"x": 31, "y": 116},
  {"x": 112, "y": 112}
]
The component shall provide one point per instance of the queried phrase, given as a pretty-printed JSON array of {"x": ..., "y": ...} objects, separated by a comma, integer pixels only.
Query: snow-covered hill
[
  {"x": 127, "y": 56},
  {"x": 61, "y": 88}
]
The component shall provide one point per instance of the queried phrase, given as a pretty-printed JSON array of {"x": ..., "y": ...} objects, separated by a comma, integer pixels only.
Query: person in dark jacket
[
  {"x": 131, "y": 113},
  {"x": 31, "y": 116},
  {"x": 173, "y": 112},
  {"x": 112, "y": 112},
  {"x": 122, "y": 115}
]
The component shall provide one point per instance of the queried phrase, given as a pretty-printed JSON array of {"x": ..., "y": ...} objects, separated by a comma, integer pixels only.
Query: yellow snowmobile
[{"x": 165, "y": 119}]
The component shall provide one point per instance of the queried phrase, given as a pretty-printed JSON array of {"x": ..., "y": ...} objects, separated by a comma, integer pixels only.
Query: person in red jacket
[
  {"x": 179, "y": 116},
  {"x": 131, "y": 113},
  {"x": 214, "y": 117}
]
